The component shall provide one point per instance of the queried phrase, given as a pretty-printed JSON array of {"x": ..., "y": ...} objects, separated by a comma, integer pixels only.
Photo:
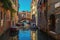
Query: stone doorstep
[{"x": 53, "y": 34}]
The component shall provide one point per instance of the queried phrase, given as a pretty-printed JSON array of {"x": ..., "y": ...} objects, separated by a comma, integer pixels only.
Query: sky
[{"x": 24, "y": 5}]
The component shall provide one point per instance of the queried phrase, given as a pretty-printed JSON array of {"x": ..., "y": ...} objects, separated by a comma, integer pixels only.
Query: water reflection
[{"x": 24, "y": 35}]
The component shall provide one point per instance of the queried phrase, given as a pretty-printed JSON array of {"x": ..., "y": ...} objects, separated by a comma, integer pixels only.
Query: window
[
  {"x": 14, "y": 1},
  {"x": 0, "y": 15},
  {"x": 33, "y": 18},
  {"x": 57, "y": 5},
  {"x": 1, "y": 21}
]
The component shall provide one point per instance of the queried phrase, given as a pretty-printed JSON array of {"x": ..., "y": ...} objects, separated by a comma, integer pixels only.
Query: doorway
[{"x": 52, "y": 22}]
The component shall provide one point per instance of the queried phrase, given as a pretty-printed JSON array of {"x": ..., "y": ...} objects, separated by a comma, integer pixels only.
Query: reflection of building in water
[{"x": 24, "y": 35}]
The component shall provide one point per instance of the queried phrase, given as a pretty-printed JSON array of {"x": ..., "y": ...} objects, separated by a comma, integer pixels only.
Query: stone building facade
[{"x": 5, "y": 17}]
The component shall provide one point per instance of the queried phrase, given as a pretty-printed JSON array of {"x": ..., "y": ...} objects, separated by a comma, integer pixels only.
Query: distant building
[{"x": 24, "y": 15}]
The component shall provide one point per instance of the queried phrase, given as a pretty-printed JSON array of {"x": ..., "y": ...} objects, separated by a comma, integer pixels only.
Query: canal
[
  {"x": 33, "y": 35},
  {"x": 28, "y": 35},
  {"x": 24, "y": 35}
]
